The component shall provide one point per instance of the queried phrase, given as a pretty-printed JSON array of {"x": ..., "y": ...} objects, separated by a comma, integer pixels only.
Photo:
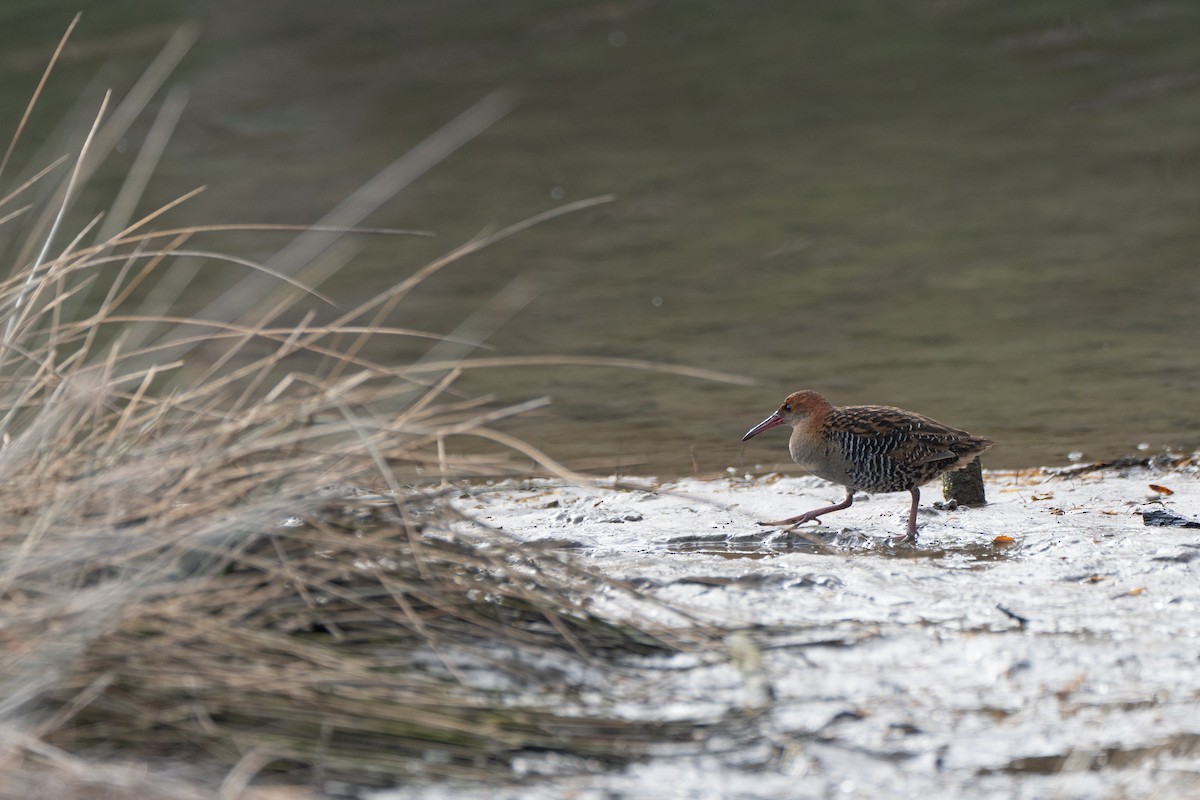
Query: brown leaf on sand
[
  {"x": 1161, "y": 489},
  {"x": 1002, "y": 541}
]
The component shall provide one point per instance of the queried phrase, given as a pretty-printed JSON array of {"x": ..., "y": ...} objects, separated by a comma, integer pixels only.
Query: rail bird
[{"x": 869, "y": 449}]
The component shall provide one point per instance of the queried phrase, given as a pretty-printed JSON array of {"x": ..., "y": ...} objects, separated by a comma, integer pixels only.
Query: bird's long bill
[{"x": 769, "y": 422}]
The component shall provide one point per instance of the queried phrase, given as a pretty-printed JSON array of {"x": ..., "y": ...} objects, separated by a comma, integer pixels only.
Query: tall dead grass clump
[{"x": 228, "y": 541}]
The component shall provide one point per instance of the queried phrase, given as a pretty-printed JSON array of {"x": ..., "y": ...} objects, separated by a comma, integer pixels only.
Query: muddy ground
[{"x": 1043, "y": 646}]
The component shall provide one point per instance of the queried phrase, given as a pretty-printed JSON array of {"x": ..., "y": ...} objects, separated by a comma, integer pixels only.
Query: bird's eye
[{"x": 787, "y": 407}]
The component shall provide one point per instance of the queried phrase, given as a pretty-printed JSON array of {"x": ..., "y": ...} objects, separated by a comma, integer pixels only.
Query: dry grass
[{"x": 185, "y": 574}]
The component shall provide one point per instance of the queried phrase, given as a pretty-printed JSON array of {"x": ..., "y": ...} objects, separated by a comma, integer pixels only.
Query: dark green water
[{"x": 987, "y": 212}]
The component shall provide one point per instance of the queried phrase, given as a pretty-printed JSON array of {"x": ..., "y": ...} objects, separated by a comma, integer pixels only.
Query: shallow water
[{"x": 984, "y": 213}]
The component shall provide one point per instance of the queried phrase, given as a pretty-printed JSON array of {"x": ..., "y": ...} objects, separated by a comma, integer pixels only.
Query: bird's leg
[
  {"x": 911, "y": 536},
  {"x": 809, "y": 516}
]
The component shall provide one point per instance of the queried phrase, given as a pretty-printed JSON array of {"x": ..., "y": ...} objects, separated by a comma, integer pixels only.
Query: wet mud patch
[
  {"x": 757, "y": 581},
  {"x": 844, "y": 542},
  {"x": 1181, "y": 746}
]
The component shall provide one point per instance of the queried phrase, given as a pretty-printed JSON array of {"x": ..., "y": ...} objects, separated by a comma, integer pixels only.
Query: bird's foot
[
  {"x": 791, "y": 523},
  {"x": 909, "y": 537}
]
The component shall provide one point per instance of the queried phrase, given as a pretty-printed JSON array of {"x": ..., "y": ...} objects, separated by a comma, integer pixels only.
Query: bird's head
[{"x": 797, "y": 409}]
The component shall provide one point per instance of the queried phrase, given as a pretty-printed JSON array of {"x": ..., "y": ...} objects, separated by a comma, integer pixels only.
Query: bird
[{"x": 869, "y": 449}]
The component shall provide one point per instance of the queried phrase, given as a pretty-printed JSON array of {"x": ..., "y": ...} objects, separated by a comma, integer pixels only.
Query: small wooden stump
[{"x": 965, "y": 486}]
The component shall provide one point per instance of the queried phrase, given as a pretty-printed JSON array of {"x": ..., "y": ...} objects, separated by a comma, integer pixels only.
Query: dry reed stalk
[{"x": 185, "y": 572}]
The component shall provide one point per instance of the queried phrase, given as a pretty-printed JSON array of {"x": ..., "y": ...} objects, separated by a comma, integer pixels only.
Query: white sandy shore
[{"x": 1065, "y": 663}]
